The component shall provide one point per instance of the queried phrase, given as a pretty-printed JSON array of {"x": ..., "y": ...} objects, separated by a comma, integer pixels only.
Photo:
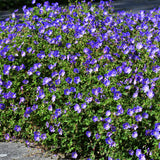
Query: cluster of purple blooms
[{"x": 138, "y": 78}]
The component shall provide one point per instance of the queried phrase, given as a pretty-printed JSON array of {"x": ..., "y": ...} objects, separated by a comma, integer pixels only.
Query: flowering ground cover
[{"x": 82, "y": 78}]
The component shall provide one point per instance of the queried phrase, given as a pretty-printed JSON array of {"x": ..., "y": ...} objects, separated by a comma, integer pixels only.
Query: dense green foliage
[{"x": 84, "y": 79}]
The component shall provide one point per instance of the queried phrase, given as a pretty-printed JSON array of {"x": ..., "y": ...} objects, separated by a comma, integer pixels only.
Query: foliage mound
[{"x": 82, "y": 79}]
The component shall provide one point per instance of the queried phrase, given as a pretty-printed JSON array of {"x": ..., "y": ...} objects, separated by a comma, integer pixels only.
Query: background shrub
[{"x": 10, "y": 4}]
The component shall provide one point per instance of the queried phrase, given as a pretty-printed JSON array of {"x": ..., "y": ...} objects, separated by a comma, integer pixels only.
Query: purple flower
[
  {"x": 138, "y": 152},
  {"x": 121, "y": 111},
  {"x": 76, "y": 107},
  {"x": 141, "y": 157},
  {"x": 156, "y": 134},
  {"x": 130, "y": 112},
  {"x": 95, "y": 118},
  {"x": 50, "y": 108},
  {"x": 33, "y": 1},
  {"x": 106, "y": 83},
  {"x": 131, "y": 152},
  {"x": 145, "y": 115},
  {"x": 113, "y": 89},
  {"x": 126, "y": 126},
  {"x": 76, "y": 70},
  {"x": 137, "y": 109},
  {"x": 47, "y": 124},
  {"x": 51, "y": 66},
  {"x": 57, "y": 82},
  {"x": 43, "y": 136},
  {"x": 88, "y": 133},
  {"x": 156, "y": 69},
  {"x": 77, "y": 80},
  {"x": 145, "y": 88},
  {"x": 135, "y": 95},
  {"x": 41, "y": 29},
  {"x": 108, "y": 134},
  {"x": 68, "y": 80},
  {"x": 74, "y": 155},
  {"x": 88, "y": 99},
  {"x": 110, "y": 158},
  {"x": 68, "y": 45},
  {"x": 138, "y": 118},
  {"x": 106, "y": 126},
  {"x": 34, "y": 107},
  {"x": 95, "y": 92},
  {"x": 60, "y": 131},
  {"x": 87, "y": 51},
  {"x": 51, "y": 128},
  {"x": 108, "y": 140},
  {"x": 134, "y": 126},
  {"x": 108, "y": 120},
  {"x": 29, "y": 49},
  {"x": 97, "y": 136},
  {"x": 148, "y": 132},
  {"x": 46, "y": 80},
  {"x": 117, "y": 95},
  {"x": 79, "y": 96},
  {"x": 157, "y": 126},
  {"x": 139, "y": 45},
  {"x": 54, "y": 74},
  {"x": 150, "y": 94},
  {"x": 83, "y": 106},
  {"x": 6, "y": 136},
  {"x": 17, "y": 128},
  {"x": 37, "y": 136},
  {"x": 134, "y": 134},
  {"x": 106, "y": 50},
  {"x": 67, "y": 91},
  {"x": 53, "y": 98},
  {"x": 112, "y": 73},
  {"x": 127, "y": 70},
  {"x": 72, "y": 89}
]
